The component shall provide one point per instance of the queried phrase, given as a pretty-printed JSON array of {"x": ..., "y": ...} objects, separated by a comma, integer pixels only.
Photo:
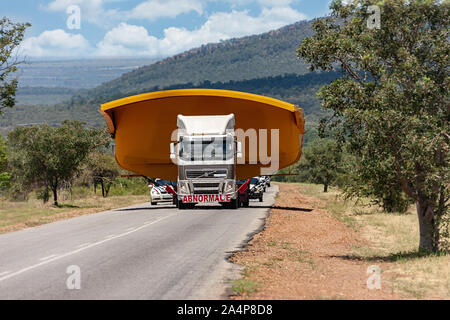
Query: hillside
[
  {"x": 299, "y": 90},
  {"x": 258, "y": 56},
  {"x": 264, "y": 64},
  {"x": 75, "y": 74}
]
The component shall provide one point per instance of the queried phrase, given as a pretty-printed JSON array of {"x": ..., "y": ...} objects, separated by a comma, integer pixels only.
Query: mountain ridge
[
  {"x": 257, "y": 56},
  {"x": 263, "y": 64}
]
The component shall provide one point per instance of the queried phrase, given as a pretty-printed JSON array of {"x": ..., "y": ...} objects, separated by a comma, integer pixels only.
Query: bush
[{"x": 129, "y": 186}]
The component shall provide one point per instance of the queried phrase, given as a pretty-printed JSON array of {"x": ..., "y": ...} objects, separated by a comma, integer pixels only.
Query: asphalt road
[{"x": 140, "y": 252}]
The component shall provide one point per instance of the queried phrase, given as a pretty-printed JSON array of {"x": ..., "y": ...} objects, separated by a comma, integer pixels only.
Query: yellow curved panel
[
  {"x": 142, "y": 126},
  {"x": 197, "y": 92}
]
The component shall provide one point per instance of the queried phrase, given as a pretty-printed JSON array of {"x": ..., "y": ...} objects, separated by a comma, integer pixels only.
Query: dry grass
[
  {"x": 303, "y": 254},
  {"x": 392, "y": 239},
  {"x": 20, "y": 215},
  {"x": 325, "y": 253}
]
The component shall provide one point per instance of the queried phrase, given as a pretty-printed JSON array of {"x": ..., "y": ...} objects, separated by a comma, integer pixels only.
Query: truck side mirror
[
  {"x": 172, "y": 151},
  {"x": 238, "y": 149}
]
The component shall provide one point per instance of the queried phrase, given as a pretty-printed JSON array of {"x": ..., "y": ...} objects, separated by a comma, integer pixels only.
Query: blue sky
[{"x": 147, "y": 28}]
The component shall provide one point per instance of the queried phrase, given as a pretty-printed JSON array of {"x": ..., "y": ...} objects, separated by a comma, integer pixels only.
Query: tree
[
  {"x": 103, "y": 170},
  {"x": 11, "y": 35},
  {"x": 49, "y": 156},
  {"x": 4, "y": 175},
  {"x": 322, "y": 161},
  {"x": 391, "y": 103}
]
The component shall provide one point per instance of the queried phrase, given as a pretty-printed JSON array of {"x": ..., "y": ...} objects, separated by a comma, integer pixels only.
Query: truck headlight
[
  {"x": 228, "y": 186},
  {"x": 183, "y": 186}
]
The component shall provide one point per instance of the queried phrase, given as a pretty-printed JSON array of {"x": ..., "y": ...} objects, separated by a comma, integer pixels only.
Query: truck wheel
[
  {"x": 234, "y": 204},
  {"x": 181, "y": 205}
]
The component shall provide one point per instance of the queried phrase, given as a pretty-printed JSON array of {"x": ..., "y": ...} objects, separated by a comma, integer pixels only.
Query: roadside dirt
[{"x": 301, "y": 254}]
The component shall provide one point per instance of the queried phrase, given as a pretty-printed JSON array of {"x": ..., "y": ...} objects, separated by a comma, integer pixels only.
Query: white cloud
[
  {"x": 131, "y": 40},
  {"x": 240, "y": 23},
  {"x": 56, "y": 43},
  {"x": 262, "y": 3},
  {"x": 275, "y": 3},
  {"x": 128, "y": 40},
  {"x": 92, "y": 11},
  {"x": 154, "y": 9}
]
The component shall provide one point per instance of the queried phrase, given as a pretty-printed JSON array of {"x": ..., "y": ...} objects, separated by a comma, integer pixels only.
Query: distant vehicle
[
  {"x": 268, "y": 181},
  {"x": 262, "y": 182},
  {"x": 256, "y": 189},
  {"x": 159, "y": 193}
]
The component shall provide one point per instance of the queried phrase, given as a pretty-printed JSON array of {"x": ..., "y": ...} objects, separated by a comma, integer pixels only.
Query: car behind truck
[{"x": 206, "y": 153}]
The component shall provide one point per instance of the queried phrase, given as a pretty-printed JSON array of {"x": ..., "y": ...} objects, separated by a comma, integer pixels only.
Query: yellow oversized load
[{"x": 145, "y": 127}]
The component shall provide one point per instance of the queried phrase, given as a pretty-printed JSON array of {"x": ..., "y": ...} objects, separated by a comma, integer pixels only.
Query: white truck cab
[{"x": 205, "y": 153}]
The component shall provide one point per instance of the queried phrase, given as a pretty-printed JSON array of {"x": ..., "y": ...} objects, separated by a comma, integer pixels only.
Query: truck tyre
[
  {"x": 181, "y": 205},
  {"x": 234, "y": 204}
]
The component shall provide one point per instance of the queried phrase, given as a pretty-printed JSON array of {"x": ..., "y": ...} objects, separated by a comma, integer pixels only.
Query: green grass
[{"x": 243, "y": 286}]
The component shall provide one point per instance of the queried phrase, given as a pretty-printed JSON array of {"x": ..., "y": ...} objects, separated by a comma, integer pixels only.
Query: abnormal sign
[{"x": 206, "y": 198}]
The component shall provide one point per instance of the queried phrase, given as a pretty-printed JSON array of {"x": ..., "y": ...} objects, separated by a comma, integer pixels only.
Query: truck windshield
[
  {"x": 162, "y": 183},
  {"x": 204, "y": 149}
]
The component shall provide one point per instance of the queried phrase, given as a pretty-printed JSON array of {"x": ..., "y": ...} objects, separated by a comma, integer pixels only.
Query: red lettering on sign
[
  {"x": 194, "y": 198},
  {"x": 184, "y": 199},
  {"x": 227, "y": 198},
  {"x": 200, "y": 198}
]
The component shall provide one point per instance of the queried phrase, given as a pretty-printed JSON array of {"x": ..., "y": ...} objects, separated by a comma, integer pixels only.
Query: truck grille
[
  {"x": 194, "y": 174},
  {"x": 206, "y": 187}
]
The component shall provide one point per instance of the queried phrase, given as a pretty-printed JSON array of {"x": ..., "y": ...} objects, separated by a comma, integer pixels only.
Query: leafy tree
[
  {"x": 392, "y": 102},
  {"x": 11, "y": 35},
  {"x": 103, "y": 170},
  {"x": 321, "y": 161},
  {"x": 49, "y": 156},
  {"x": 4, "y": 175}
]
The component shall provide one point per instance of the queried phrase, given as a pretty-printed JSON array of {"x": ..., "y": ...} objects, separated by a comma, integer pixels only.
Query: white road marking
[
  {"x": 83, "y": 245},
  {"x": 49, "y": 257},
  {"x": 129, "y": 229},
  {"x": 5, "y": 272},
  {"x": 110, "y": 236},
  {"x": 8, "y": 276}
]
